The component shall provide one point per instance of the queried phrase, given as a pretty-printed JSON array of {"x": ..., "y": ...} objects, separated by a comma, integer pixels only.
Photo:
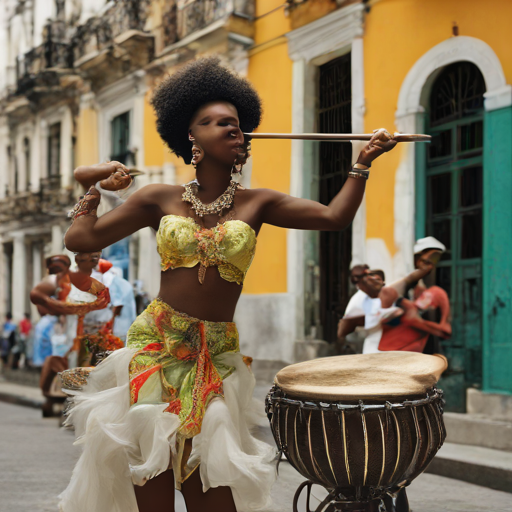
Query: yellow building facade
[{"x": 319, "y": 65}]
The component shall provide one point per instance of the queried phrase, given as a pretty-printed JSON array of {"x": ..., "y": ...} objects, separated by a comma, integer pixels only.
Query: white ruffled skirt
[{"x": 125, "y": 445}]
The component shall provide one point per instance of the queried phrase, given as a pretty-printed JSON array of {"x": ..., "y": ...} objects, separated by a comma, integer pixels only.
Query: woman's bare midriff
[{"x": 215, "y": 300}]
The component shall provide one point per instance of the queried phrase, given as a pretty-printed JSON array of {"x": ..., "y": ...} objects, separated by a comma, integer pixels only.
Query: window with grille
[{"x": 334, "y": 116}]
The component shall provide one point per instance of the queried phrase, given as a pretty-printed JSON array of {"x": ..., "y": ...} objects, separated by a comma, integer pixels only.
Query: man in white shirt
[
  {"x": 377, "y": 305},
  {"x": 355, "y": 304},
  {"x": 354, "y": 307}
]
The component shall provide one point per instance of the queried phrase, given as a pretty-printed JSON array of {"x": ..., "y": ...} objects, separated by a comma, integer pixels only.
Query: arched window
[{"x": 454, "y": 173}]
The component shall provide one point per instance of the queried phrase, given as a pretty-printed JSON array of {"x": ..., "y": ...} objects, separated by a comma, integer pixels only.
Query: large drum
[{"x": 362, "y": 426}]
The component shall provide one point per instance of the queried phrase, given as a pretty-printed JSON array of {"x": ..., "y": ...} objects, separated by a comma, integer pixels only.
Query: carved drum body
[{"x": 355, "y": 424}]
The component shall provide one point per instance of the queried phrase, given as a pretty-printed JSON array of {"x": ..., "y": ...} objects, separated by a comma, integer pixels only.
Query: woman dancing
[{"x": 174, "y": 406}]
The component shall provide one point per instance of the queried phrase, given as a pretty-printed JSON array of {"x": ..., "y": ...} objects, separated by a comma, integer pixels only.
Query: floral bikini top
[{"x": 230, "y": 246}]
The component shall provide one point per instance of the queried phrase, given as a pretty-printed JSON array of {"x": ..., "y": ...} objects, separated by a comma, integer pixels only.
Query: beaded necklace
[{"x": 223, "y": 202}]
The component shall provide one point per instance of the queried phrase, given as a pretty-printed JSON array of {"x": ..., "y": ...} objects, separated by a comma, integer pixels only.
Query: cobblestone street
[{"x": 36, "y": 459}]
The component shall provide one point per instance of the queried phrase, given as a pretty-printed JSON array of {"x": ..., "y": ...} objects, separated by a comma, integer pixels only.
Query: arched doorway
[{"x": 454, "y": 205}]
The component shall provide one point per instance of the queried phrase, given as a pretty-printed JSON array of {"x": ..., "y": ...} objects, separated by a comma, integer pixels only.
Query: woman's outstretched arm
[
  {"x": 89, "y": 233},
  {"x": 290, "y": 212}
]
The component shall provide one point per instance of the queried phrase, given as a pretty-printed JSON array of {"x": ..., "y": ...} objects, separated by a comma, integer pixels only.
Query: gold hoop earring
[{"x": 197, "y": 150}]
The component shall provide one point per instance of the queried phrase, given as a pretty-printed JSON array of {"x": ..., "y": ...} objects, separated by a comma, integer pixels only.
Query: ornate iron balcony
[
  {"x": 51, "y": 199},
  {"x": 195, "y": 15},
  {"x": 39, "y": 65},
  {"x": 99, "y": 33}
]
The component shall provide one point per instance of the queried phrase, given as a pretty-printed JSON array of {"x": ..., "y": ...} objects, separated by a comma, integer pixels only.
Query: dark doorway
[{"x": 334, "y": 116}]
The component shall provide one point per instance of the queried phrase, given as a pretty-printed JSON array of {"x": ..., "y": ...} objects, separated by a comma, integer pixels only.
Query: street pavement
[{"x": 36, "y": 459}]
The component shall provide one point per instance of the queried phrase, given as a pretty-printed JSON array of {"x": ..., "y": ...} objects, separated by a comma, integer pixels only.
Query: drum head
[{"x": 378, "y": 376}]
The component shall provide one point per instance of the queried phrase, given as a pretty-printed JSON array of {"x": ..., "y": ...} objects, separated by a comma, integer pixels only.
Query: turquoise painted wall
[{"x": 497, "y": 252}]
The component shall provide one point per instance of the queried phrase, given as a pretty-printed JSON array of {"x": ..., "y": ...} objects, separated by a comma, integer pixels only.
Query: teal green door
[{"x": 454, "y": 189}]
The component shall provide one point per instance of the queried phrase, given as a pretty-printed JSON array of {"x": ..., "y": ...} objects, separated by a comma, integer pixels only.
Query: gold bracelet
[
  {"x": 358, "y": 174},
  {"x": 361, "y": 167}
]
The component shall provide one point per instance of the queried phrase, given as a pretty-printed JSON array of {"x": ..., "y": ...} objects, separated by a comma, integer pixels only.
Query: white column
[
  {"x": 37, "y": 274},
  {"x": 405, "y": 200},
  {"x": 41, "y": 14},
  {"x": 149, "y": 263},
  {"x": 4, "y": 138},
  {"x": 36, "y": 261},
  {"x": 358, "y": 112},
  {"x": 37, "y": 165},
  {"x": 137, "y": 128},
  {"x": 4, "y": 61},
  {"x": 19, "y": 273},
  {"x": 66, "y": 149},
  {"x": 57, "y": 239}
]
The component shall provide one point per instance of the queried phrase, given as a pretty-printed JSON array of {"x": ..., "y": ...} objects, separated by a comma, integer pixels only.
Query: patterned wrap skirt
[{"x": 178, "y": 396}]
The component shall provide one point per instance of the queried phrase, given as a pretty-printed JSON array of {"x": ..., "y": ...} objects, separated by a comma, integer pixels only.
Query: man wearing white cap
[{"x": 428, "y": 249}]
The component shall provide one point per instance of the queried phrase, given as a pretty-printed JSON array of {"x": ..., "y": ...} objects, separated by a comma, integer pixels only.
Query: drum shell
[{"x": 361, "y": 453}]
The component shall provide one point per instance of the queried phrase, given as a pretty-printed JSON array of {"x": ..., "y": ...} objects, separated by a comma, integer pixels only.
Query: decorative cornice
[{"x": 326, "y": 34}]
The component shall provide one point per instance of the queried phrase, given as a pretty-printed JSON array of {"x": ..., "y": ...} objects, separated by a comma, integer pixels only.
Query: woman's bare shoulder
[
  {"x": 263, "y": 194},
  {"x": 156, "y": 194}
]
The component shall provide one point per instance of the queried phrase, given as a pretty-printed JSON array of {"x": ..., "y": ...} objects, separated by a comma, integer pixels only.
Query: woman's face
[{"x": 216, "y": 128}]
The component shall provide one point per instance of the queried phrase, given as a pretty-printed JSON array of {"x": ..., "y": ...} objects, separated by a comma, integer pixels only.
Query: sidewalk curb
[{"x": 21, "y": 400}]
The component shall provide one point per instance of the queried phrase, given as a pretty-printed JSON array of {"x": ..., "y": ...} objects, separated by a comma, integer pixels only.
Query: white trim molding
[
  {"x": 309, "y": 47},
  {"x": 412, "y": 99},
  {"x": 455, "y": 49},
  {"x": 126, "y": 95},
  {"x": 327, "y": 34}
]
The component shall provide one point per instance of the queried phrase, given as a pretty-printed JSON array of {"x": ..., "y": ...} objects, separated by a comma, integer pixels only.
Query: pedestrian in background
[
  {"x": 8, "y": 339},
  {"x": 122, "y": 301},
  {"x": 25, "y": 339}
]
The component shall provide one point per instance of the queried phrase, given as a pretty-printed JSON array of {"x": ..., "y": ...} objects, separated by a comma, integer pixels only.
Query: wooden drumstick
[{"x": 338, "y": 137}]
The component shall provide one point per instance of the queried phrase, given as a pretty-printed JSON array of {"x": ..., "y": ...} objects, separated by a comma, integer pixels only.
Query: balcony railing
[
  {"x": 51, "y": 199},
  {"x": 52, "y": 54},
  {"x": 195, "y": 15},
  {"x": 99, "y": 33}
]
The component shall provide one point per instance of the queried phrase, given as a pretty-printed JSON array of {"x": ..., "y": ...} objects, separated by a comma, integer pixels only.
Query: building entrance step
[
  {"x": 474, "y": 464},
  {"x": 477, "y": 430}
]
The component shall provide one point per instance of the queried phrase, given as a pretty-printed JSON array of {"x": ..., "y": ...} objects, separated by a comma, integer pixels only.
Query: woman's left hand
[{"x": 381, "y": 142}]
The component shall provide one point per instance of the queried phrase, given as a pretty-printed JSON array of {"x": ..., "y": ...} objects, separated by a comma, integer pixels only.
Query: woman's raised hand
[
  {"x": 111, "y": 175},
  {"x": 381, "y": 142},
  {"x": 119, "y": 179}
]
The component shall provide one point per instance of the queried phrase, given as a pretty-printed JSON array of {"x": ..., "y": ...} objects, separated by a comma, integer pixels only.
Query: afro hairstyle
[{"x": 179, "y": 96}]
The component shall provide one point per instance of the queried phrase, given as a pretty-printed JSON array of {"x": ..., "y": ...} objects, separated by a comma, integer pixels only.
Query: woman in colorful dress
[{"x": 174, "y": 407}]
